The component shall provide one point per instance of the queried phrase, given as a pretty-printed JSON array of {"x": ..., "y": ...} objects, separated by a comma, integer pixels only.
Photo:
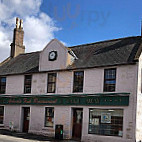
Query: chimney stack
[{"x": 17, "y": 46}]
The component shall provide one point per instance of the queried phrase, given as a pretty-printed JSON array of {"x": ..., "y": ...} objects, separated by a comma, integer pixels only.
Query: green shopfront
[{"x": 80, "y": 114}]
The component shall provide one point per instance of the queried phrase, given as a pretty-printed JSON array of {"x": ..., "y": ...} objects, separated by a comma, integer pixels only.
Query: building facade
[{"x": 93, "y": 90}]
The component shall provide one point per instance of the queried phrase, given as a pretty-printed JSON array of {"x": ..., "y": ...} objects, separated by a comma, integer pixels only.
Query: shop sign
[{"x": 66, "y": 100}]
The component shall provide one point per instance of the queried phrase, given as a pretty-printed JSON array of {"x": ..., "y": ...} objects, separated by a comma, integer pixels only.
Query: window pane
[
  {"x": 1, "y": 114},
  {"x": 2, "y": 85},
  {"x": 78, "y": 81},
  {"x": 27, "y": 89},
  {"x": 110, "y": 73},
  {"x": 3, "y": 79},
  {"x": 49, "y": 111},
  {"x": 52, "y": 77},
  {"x": 106, "y": 122},
  {"x": 51, "y": 86},
  {"x": 2, "y": 88},
  {"x": 109, "y": 80},
  {"x": 27, "y": 83},
  {"x": 49, "y": 117}
]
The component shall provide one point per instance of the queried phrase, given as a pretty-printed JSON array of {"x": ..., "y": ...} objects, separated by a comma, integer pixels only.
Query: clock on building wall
[{"x": 52, "y": 56}]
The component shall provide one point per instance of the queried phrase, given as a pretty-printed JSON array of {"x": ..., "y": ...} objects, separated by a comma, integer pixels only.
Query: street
[
  {"x": 6, "y": 138},
  {"x": 9, "y": 136}
]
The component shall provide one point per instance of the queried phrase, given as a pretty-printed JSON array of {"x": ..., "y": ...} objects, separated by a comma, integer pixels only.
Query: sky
[{"x": 73, "y": 22}]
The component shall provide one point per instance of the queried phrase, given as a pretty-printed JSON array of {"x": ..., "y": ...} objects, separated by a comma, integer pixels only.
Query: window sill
[
  {"x": 48, "y": 128},
  {"x": 1, "y": 125}
]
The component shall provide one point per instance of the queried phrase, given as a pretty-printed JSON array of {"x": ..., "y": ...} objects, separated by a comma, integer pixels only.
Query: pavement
[{"x": 10, "y": 136}]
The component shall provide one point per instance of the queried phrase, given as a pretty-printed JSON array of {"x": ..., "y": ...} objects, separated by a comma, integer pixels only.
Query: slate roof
[
  {"x": 105, "y": 53},
  {"x": 23, "y": 63}
]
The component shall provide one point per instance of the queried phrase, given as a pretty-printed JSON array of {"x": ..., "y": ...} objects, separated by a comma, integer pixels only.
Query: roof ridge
[
  {"x": 30, "y": 52},
  {"x": 103, "y": 41}
]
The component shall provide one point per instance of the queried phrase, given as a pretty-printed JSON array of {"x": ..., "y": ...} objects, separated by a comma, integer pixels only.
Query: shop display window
[
  {"x": 49, "y": 117},
  {"x": 107, "y": 122}
]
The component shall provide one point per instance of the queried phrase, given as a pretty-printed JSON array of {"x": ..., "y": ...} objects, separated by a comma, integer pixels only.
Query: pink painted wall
[
  {"x": 93, "y": 81},
  {"x": 139, "y": 102},
  {"x": 60, "y": 63},
  {"x": 64, "y": 82},
  {"x": 15, "y": 84},
  {"x": 39, "y": 83},
  {"x": 12, "y": 114},
  {"x": 126, "y": 81}
]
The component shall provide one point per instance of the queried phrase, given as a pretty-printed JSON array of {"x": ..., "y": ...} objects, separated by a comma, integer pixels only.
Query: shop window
[
  {"x": 49, "y": 117},
  {"x": 2, "y": 85},
  {"x": 109, "y": 80},
  {"x": 27, "y": 83},
  {"x": 78, "y": 81},
  {"x": 51, "y": 85},
  {"x": 1, "y": 114},
  {"x": 107, "y": 122}
]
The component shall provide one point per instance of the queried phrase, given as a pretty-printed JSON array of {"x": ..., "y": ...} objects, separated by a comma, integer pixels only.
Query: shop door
[
  {"x": 77, "y": 123},
  {"x": 26, "y": 118}
]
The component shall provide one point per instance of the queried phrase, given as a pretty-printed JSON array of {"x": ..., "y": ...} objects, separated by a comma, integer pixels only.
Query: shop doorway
[
  {"x": 77, "y": 123},
  {"x": 26, "y": 119}
]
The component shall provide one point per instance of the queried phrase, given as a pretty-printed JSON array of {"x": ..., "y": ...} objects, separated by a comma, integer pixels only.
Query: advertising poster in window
[
  {"x": 96, "y": 121},
  {"x": 105, "y": 117}
]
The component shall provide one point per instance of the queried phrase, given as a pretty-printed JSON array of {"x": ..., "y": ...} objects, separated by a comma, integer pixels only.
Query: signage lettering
[
  {"x": 70, "y": 100},
  {"x": 13, "y": 101},
  {"x": 36, "y": 100},
  {"x": 92, "y": 101}
]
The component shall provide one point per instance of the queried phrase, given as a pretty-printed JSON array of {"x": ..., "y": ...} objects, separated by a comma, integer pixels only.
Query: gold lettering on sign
[
  {"x": 73, "y": 101},
  {"x": 92, "y": 101},
  {"x": 36, "y": 100},
  {"x": 14, "y": 101},
  {"x": 25, "y": 100}
]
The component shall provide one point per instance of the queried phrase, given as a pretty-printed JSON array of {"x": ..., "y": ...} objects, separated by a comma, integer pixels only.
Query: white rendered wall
[
  {"x": 126, "y": 81},
  {"x": 93, "y": 81},
  {"x": 15, "y": 84},
  {"x": 62, "y": 54},
  {"x": 63, "y": 115},
  {"x": 39, "y": 83},
  {"x": 12, "y": 114},
  {"x": 139, "y": 103}
]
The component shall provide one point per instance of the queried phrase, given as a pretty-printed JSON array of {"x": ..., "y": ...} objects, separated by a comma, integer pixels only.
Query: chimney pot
[
  {"x": 17, "y": 23},
  {"x": 21, "y": 24},
  {"x": 17, "y": 46}
]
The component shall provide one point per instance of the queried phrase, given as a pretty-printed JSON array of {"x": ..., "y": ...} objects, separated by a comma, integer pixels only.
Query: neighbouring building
[{"x": 93, "y": 90}]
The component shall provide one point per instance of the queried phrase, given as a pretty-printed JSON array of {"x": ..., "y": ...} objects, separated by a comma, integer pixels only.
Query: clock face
[{"x": 52, "y": 55}]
